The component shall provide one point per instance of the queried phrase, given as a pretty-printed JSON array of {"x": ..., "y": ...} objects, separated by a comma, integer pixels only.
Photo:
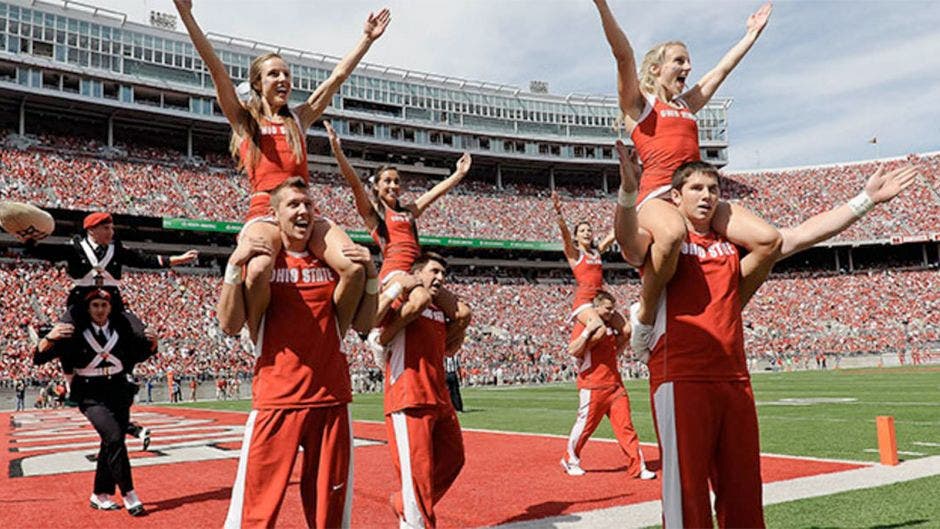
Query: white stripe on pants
[
  {"x": 347, "y": 509},
  {"x": 413, "y": 518},
  {"x": 665, "y": 403},
  {"x": 237, "y": 504},
  {"x": 584, "y": 407}
]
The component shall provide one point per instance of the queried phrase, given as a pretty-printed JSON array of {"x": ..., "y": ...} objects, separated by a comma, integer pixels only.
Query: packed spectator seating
[
  {"x": 82, "y": 174},
  {"x": 790, "y": 195},
  {"x": 519, "y": 332}
]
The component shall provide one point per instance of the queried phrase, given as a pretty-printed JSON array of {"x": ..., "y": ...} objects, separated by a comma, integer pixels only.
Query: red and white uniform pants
[
  {"x": 272, "y": 440},
  {"x": 594, "y": 405},
  {"x": 427, "y": 449},
  {"x": 708, "y": 435}
]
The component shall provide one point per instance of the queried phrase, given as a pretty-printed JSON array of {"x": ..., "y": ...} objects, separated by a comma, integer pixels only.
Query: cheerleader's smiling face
[
  {"x": 584, "y": 234},
  {"x": 270, "y": 79},
  {"x": 388, "y": 187},
  {"x": 674, "y": 70}
]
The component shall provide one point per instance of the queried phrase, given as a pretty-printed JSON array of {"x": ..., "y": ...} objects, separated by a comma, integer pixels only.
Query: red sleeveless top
[
  {"x": 699, "y": 332},
  {"x": 589, "y": 276},
  {"x": 414, "y": 373},
  {"x": 665, "y": 137},
  {"x": 397, "y": 236},
  {"x": 275, "y": 164},
  {"x": 598, "y": 367},
  {"x": 300, "y": 360}
]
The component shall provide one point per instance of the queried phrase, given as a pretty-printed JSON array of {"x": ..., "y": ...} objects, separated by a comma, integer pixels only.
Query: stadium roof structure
[{"x": 84, "y": 52}]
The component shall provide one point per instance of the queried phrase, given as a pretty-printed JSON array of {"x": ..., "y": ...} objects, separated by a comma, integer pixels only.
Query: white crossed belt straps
[
  {"x": 97, "y": 268},
  {"x": 103, "y": 354}
]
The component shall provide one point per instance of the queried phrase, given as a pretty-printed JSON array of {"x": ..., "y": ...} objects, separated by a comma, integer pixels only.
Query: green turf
[
  {"x": 914, "y": 504},
  {"x": 842, "y": 429},
  {"x": 902, "y": 505}
]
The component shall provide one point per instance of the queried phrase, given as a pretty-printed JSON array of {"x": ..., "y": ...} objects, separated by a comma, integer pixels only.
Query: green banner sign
[
  {"x": 201, "y": 225},
  {"x": 362, "y": 236}
]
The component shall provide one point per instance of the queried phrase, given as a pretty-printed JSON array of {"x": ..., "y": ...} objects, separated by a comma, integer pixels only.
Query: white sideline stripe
[
  {"x": 924, "y": 443},
  {"x": 554, "y": 436},
  {"x": 820, "y": 459},
  {"x": 644, "y": 443},
  {"x": 559, "y": 436},
  {"x": 902, "y": 452},
  {"x": 649, "y": 513}
]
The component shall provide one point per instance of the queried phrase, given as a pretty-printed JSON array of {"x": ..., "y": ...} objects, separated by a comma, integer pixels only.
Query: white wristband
[
  {"x": 372, "y": 286},
  {"x": 233, "y": 275},
  {"x": 393, "y": 291},
  {"x": 586, "y": 334},
  {"x": 861, "y": 204},
  {"x": 626, "y": 200}
]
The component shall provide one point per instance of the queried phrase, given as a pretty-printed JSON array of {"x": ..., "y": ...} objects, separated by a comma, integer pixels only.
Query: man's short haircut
[
  {"x": 603, "y": 295},
  {"x": 295, "y": 182},
  {"x": 426, "y": 258},
  {"x": 687, "y": 169}
]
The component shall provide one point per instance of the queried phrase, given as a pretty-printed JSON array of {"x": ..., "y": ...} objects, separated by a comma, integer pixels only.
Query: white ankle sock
[{"x": 131, "y": 499}]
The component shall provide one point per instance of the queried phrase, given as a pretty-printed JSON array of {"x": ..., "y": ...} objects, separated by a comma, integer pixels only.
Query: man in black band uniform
[
  {"x": 102, "y": 354},
  {"x": 96, "y": 261}
]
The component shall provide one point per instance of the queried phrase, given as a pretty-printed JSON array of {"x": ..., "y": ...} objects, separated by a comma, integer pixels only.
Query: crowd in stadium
[
  {"x": 519, "y": 332},
  {"x": 60, "y": 171},
  {"x": 505, "y": 345}
]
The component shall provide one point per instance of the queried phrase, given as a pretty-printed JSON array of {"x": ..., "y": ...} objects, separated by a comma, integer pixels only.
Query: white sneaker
[
  {"x": 145, "y": 437},
  {"x": 378, "y": 350},
  {"x": 133, "y": 504},
  {"x": 646, "y": 474},
  {"x": 103, "y": 502},
  {"x": 573, "y": 469},
  {"x": 640, "y": 335}
]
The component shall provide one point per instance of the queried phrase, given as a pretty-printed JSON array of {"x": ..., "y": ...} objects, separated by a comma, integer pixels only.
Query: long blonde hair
[
  {"x": 255, "y": 107},
  {"x": 654, "y": 57}
]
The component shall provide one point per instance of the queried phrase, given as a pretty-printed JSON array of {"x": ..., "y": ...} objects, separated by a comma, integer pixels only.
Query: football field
[
  {"x": 818, "y": 463},
  {"x": 811, "y": 414}
]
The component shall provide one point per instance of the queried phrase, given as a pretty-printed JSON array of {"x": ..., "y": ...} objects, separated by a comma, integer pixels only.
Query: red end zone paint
[{"x": 507, "y": 477}]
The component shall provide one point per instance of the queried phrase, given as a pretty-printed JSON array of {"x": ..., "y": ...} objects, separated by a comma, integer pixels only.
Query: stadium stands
[
  {"x": 66, "y": 172},
  {"x": 789, "y": 195},
  {"x": 519, "y": 331},
  {"x": 519, "y": 334}
]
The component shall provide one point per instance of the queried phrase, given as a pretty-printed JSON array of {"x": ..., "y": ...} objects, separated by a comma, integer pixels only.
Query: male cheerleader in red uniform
[
  {"x": 703, "y": 404},
  {"x": 423, "y": 430},
  {"x": 597, "y": 346},
  {"x": 301, "y": 384}
]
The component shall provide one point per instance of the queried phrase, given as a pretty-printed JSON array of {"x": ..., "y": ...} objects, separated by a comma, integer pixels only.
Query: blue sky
[{"x": 823, "y": 79}]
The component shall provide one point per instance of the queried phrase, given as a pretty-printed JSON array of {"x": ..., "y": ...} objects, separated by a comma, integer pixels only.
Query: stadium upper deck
[{"x": 84, "y": 54}]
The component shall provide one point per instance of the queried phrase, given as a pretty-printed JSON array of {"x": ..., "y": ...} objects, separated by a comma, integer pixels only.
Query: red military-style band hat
[
  {"x": 96, "y": 218},
  {"x": 98, "y": 293}
]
